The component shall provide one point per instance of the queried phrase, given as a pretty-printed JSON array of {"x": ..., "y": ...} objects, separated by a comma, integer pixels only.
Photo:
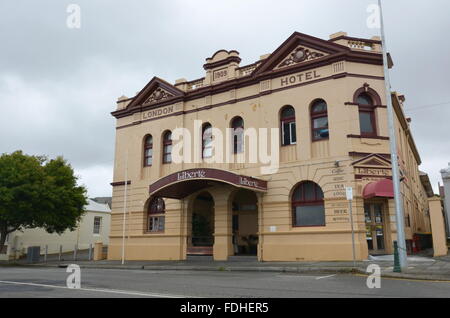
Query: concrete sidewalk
[{"x": 420, "y": 268}]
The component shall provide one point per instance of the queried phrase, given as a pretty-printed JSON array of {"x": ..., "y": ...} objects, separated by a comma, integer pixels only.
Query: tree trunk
[{"x": 3, "y": 234}]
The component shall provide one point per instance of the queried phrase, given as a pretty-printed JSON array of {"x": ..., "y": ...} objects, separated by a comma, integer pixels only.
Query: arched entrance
[
  {"x": 201, "y": 240},
  {"x": 245, "y": 222}
]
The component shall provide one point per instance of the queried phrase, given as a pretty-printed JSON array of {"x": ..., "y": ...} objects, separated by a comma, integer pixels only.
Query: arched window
[
  {"x": 307, "y": 205},
  {"x": 156, "y": 210},
  {"x": 148, "y": 151},
  {"x": 167, "y": 147},
  {"x": 207, "y": 141},
  {"x": 319, "y": 120},
  {"x": 366, "y": 115},
  {"x": 288, "y": 132},
  {"x": 237, "y": 124}
]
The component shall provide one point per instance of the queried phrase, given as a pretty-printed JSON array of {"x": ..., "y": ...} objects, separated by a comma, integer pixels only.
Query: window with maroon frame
[
  {"x": 207, "y": 141},
  {"x": 319, "y": 120},
  {"x": 237, "y": 124},
  {"x": 167, "y": 147},
  {"x": 288, "y": 132},
  {"x": 366, "y": 115},
  {"x": 156, "y": 218},
  {"x": 307, "y": 205},
  {"x": 148, "y": 151}
]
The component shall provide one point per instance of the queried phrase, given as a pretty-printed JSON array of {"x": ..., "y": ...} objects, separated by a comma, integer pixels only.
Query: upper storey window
[
  {"x": 319, "y": 120},
  {"x": 207, "y": 141},
  {"x": 366, "y": 115},
  {"x": 237, "y": 124},
  {"x": 288, "y": 129},
  {"x": 148, "y": 151},
  {"x": 167, "y": 147}
]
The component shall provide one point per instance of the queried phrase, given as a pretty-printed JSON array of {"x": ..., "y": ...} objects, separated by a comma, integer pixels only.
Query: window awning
[{"x": 383, "y": 188}]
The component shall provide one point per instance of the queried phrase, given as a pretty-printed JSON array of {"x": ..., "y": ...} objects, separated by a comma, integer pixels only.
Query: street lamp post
[{"x": 394, "y": 158}]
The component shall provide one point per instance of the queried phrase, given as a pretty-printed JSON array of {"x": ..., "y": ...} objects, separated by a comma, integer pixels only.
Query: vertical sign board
[{"x": 349, "y": 195}]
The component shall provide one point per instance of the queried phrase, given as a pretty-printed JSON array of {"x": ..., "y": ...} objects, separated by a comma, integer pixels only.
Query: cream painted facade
[
  {"x": 83, "y": 236},
  {"x": 298, "y": 73}
]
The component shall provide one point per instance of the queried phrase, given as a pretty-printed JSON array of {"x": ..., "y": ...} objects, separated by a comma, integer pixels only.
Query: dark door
[{"x": 375, "y": 228}]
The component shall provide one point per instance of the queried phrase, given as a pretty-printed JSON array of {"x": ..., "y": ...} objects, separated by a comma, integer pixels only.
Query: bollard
[
  {"x": 75, "y": 252},
  {"x": 60, "y": 253},
  {"x": 90, "y": 252},
  {"x": 397, "y": 268}
]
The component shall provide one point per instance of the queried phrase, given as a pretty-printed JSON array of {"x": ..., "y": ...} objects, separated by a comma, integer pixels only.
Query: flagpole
[
  {"x": 124, "y": 208},
  {"x": 394, "y": 158}
]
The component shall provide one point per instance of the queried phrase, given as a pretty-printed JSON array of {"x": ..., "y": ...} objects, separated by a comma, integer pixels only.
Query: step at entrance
[{"x": 200, "y": 250}]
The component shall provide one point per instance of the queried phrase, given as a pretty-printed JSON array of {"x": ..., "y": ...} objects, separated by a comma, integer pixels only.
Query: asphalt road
[{"x": 51, "y": 282}]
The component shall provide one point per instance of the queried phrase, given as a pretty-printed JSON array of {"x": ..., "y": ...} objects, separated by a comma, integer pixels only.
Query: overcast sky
[{"x": 58, "y": 85}]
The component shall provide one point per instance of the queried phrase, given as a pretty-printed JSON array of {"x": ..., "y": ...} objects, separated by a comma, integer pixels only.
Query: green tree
[{"x": 37, "y": 192}]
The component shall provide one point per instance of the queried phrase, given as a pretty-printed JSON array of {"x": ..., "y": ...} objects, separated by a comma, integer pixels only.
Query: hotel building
[{"x": 325, "y": 102}]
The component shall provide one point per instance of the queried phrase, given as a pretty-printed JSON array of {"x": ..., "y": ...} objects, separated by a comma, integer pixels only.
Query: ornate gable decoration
[
  {"x": 299, "y": 48},
  {"x": 158, "y": 95},
  {"x": 299, "y": 55},
  {"x": 156, "y": 91},
  {"x": 372, "y": 167}
]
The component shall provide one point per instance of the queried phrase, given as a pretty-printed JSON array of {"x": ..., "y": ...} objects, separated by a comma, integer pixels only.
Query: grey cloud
[{"x": 57, "y": 85}]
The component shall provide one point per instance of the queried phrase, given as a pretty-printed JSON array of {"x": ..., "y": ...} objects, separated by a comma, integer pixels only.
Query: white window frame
[
  {"x": 291, "y": 125},
  {"x": 99, "y": 225}
]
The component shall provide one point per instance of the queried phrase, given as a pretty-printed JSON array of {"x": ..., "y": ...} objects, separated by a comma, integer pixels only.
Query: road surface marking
[
  {"x": 321, "y": 277},
  {"x": 112, "y": 291}
]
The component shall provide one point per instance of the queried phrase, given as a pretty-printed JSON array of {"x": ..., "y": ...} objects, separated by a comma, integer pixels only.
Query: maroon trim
[
  {"x": 318, "y": 201},
  {"x": 183, "y": 183},
  {"x": 376, "y": 100},
  {"x": 154, "y": 83},
  {"x": 205, "y": 126},
  {"x": 292, "y": 42},
  {"x": 154, "y": 205},
  {"x": 368, "y": 154},
  {"x": 226, "y": 61},
  {"x": 226, "y": 86},
  {"x": 355, "y": 39},
  {"x": 120, "y": 183},
  {"x": 235, "y": 137},
  {"x": 286, "y": 120},
  {"x": 167, "y": 142},
  {"x": 356, "y": 104},
  {"x": 221, "y": 50},
  {"x": 368, "y": 137},
  {"x": 373, "y": 123},
  {"x": 148, "y": 146},
  {"x": 317, "y": 115},
  {"x": 360, "y": 176}
]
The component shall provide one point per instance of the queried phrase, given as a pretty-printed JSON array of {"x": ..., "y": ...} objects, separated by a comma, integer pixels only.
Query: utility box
[{"x": 33, "y": 254}]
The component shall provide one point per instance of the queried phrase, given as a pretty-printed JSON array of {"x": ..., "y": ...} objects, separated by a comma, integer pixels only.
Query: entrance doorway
[
  {"x": 202, "y": 232},
  {"x": 375, "y": 228},
  {"x": 245, "y": 223}
]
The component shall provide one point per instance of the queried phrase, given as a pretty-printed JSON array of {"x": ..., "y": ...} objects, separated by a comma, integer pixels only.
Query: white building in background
[
  {"x": 93, "y": 227},
  {"x": 445, "y": 173}
]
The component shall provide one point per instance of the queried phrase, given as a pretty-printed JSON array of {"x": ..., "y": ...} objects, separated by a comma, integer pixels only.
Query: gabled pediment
[
  {"x": 157, "y": 90},
  {"x": 372, "y": 160},
  {"x": 299, "y": 55},
  {"x": 297, "y": 49}
]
